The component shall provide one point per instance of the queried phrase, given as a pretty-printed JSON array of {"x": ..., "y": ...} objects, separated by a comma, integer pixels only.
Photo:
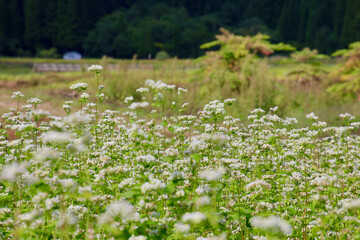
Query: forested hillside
[{"x": 123, "y": 28}]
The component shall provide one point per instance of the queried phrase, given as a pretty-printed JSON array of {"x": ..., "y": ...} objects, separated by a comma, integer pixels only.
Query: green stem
[
  {"x": 96, "y": 110},
  {"x": 163, "y": 117}
]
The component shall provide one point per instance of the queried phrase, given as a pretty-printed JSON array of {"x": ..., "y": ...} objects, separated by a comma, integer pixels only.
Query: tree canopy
[{"x": 124, "y": 28}]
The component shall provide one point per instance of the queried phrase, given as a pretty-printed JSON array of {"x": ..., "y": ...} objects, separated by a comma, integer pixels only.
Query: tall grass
[{"x": 257, "y": 84}]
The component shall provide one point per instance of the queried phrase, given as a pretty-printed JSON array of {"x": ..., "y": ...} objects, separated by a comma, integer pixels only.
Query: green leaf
[
  {"x": 210, "y": 44},
  {"x": 130, "y": 194}
]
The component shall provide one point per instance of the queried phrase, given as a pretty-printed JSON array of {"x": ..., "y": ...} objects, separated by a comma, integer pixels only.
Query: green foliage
[
  {"x": 346, "y": 79},
  {"x": 179, "y": 27},
  {"x": 125, "y": 33},
  {"x": 261, "y": 82},
  {"x": 282, "y": 47},
  {"x": 306, "y": 55},
  {"x": 162, "y": 55},
  {"x": 307, "y": 75},
  {"x": 308, "y": 72},
  {"x": 110, "y": 37},
  {"x": 132, "y": 174},
  {"x": 352, "y": 51},
  {"x": 346, "y": 87},
  {"x": 234, "y": 48},
  {"x": 238, "y": 69},
  {"x": 48, "y": 53}
]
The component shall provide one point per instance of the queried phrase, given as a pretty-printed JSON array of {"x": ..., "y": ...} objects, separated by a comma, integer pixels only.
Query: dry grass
[{"x": 265, "y": 87}]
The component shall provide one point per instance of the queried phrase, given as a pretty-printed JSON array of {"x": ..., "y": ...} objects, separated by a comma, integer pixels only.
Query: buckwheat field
[{"x": 143, "y": 174}]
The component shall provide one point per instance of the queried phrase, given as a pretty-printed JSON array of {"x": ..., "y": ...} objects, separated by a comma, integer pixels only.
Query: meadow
[
  {"x": 270, "y": 86},
  {"x": 232, "y": 145},
  {"x": 83, "y": 171}
]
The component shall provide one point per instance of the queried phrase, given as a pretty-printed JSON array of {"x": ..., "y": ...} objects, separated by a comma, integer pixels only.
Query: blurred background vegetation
[
  {"x": 234, "y": 66},
  {"x": 216, "y": 49},
  {"x": 123, "y": 28}
]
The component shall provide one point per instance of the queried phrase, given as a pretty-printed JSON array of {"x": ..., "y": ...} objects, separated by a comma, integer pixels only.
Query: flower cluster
[
  {"x": 79, "y": 87},
  {"x": 95, "y": 68},
  {"x": 137, "y": 174}
]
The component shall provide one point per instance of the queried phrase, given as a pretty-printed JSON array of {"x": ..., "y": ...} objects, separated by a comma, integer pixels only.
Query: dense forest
[{"x": 124, "y": 28}]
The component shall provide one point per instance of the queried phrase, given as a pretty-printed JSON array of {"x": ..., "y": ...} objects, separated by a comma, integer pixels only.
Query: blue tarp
[{"x": 72, "y": 56}]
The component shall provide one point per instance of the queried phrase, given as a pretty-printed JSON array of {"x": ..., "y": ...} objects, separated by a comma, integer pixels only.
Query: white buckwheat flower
[
  {"x": 142, "y": 90},
  {"x": 272, "y": 224},
  {"x": 84, "y": 96},
  {"x": 229, "y": 101},
  {"x": 95, "y": 68},
  {"x": 181, "y": 91},
  {"x": 79, "y": 86},
  {"x": 11, "y": 172},
  {"x": 140, "y": 237},
  {"x": 353, "y": 204},
  {"x": 311, "y": 116},
  {"x": 56, "y": 137},
  {"x": 35, "y": 101},
  {"x": 211, "y": 175},
  {"x": 17, "y": 95},
  {"x": 347, "y": 116},
  {"x": 194, "y": 217},
  {"x": 129, "y": 99},
  {"x": 182, "y": 228},
  {"x": 257, "y": 184}
]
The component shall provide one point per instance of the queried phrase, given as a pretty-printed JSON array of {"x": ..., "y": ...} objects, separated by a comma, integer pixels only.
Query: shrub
[
  {"x": 162, "y": 55},
  {"x": 48, "y": 53}
]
